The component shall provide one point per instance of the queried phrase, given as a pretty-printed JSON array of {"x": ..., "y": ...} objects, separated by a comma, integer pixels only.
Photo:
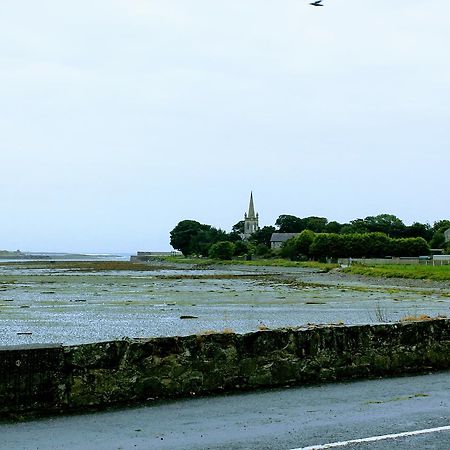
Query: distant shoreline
[{"x": 19, "y": 255}]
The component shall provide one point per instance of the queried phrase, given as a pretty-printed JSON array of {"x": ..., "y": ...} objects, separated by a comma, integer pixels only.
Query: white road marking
[{"x": 374, "y": 438}]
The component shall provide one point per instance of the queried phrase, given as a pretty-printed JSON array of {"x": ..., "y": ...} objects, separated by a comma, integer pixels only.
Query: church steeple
[
  {"x": 251, "y": 208},
  {"x": 251, "y": 219}
]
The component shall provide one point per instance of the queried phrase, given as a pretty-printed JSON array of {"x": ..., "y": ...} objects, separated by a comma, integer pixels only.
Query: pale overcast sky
[{"x": 119, "y": 118}]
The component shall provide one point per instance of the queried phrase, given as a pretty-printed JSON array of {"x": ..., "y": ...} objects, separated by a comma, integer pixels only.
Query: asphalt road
[{"x": 290, "y": 418}]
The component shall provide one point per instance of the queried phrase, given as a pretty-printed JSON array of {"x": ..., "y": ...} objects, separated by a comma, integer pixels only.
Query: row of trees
[
  {"x": 388, "y": 224},
  {"x": 374, "y": 236},
  {"x": 308, "y": 245},
  {"x": 194, "y": 238}
]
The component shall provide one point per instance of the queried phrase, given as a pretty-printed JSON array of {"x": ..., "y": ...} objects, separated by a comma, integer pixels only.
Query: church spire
[
  {"x": 250, "y": 220},
  {"x": 251, "y": 208}
]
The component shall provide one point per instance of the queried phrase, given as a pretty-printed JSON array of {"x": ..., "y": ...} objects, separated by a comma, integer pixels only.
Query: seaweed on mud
[
  {"x": 212, "y": 276},
  {"x": 302, "y": 285}
]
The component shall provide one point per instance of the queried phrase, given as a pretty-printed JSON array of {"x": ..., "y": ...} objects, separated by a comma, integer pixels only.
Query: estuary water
[{"x": 47, "y": 303}]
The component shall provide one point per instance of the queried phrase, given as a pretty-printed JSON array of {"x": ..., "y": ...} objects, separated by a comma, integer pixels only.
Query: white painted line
[{"x": 374, "y": 438}]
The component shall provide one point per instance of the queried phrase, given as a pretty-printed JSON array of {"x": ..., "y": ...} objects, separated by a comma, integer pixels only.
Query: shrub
[
  {"x": 298, "y": 247},
  {"x": 222, "y": 250}
]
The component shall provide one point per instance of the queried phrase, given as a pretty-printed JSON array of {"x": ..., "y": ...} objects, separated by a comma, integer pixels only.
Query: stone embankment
[{"x": 53, "y": 378}]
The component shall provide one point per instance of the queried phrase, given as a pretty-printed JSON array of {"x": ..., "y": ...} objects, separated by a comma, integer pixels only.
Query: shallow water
[{"x": 43, "y": 305}]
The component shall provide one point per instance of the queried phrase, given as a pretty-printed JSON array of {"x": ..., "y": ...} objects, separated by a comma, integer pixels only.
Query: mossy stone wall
[{"x": 57, "y": 378}]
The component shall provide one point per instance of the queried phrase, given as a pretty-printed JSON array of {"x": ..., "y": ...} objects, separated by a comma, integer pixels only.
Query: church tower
[{"x": 250, "y": 219}]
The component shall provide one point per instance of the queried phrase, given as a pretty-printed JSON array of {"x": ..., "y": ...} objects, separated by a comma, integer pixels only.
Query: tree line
[{"x": 375, "y": 236}]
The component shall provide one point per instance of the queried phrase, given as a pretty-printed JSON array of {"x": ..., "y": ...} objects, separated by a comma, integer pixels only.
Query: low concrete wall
[
  {"x": 436, "y": 260},
  {"x": 48, "y": 379}
]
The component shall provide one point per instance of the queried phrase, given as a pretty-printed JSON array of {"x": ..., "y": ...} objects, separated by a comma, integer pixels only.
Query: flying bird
[{"x": 316, "y": 3}]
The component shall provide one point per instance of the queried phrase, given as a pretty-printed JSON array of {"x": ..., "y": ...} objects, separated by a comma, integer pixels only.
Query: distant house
[
  {"x": 447, "y": 235},
  {"x": 277, "y": 239}
]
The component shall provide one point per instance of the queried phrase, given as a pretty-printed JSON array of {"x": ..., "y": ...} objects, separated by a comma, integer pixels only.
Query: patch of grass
[
  {"x": 417, "y": 272},
  {"x": 206, "y": 262},
  {"x": 228, "y": 331},
  {"x": 421, "y": 318},
  {"x": 209, "y": 332}
]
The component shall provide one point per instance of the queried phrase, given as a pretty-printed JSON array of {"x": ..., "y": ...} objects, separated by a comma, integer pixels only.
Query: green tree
[
  {"x": 262, "y": 251},
  {"x": 222, "y": 250},
  {"x": 238, "y": 227},
  {"x": 441, "y": 225},
  {"x": 327, "y": 245},
  {"x": 417, "y": 229},
  {"x": 316, "y": 224},
  {"x": 183, "y": 235},
  {"x": 195, "y": 238},
  {"x": 241, "y": 248},
  {"x": 410, "y": 247},
  {"x": 290, "y": 224},
  {"x": 438, "y": 240},
  {"x": 298, "y": 246},
  {"x": 202, "y": 241},
  {"x": 333, "y": 227},
  {"x": 262, "y": 236},
  {"x": 377, "y": 245},
  {"x": 385, "y": 223},
  {"x": 355, "y": 226}
]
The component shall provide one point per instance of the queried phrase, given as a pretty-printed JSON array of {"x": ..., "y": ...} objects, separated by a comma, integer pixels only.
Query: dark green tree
[
  {"x": 417, "y": 229},
  {"x": 194, "y": 238},
  {"x": 221, "y": 250},
  {"x": 355, "y": 226},
  {"x": 241, "y": 248},
  {"x": 316, "y": 224},
  {"x": 327, "y": 245},
  {"x": 410, "y": 247},
  {"x": 385, "y": 223},
  {"x": 290, "y": 224},
  {"x": 438, "y": 239},
  {"x": 441, "y": 225},
  {"x": 298, "y": 247},
  {"x": 333, "y": 227},
  {"x": 376, "y": 245},
  {"x": 262, "y": 236},
  {"x": 203, "y": 240},
  {"x": 262, "y": 250},
  {"x": 183, "y": 235},
  {"x": 238, "y": 227}
]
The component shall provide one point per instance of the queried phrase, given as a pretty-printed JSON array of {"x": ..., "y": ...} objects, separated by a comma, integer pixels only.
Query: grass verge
[{"x": 435, "y": 273}]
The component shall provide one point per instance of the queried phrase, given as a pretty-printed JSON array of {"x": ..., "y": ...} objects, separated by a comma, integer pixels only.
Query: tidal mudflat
[{"x": 71, "y": 303}]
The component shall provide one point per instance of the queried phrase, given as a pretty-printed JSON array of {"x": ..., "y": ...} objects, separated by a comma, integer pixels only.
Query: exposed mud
[{"x": 43, "y": 303}]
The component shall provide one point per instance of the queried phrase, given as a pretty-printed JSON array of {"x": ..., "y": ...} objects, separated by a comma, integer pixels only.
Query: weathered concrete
[{"x": 97, "y": 375}]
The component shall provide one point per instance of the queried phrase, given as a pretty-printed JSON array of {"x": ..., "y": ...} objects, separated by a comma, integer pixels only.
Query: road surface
[{"x": 290, "y": 418}]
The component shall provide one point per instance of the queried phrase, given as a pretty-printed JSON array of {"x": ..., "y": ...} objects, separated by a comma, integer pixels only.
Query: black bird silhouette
[{"x": 317, "y": 3}]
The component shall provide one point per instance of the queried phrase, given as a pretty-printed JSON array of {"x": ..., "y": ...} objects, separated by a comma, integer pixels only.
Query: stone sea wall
[{"x": 49, "y": 379}]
